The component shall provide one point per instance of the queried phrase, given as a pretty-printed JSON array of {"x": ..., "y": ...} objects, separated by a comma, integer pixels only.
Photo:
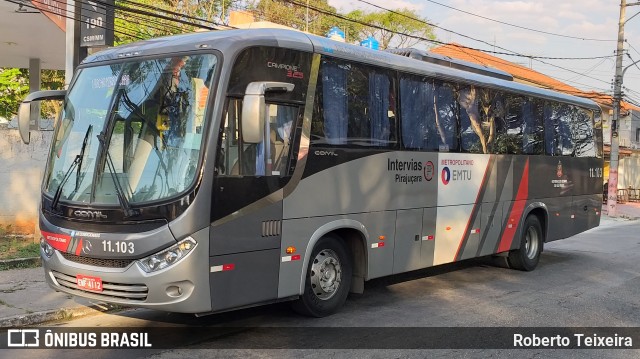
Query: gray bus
[{"x": 212, "y": 171}]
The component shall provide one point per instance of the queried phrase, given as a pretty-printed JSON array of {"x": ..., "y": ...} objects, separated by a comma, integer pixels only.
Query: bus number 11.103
[
  {"x": 595, "y": 172},
  {"x": 117, "y": 247}
]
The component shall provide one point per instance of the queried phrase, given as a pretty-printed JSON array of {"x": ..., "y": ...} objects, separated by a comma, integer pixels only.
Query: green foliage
[
  {"x": 14, "y": 86},
  {"x": 11, "y": 248},
  {"x": 131, "y": 26},
  {"x": 295, "y": 16},
  {"x": 401, "y": 28},
  {"x": 402, "y": 25}
]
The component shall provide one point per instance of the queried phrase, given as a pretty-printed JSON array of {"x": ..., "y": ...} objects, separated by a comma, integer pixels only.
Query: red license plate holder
[{"x": 87, "y": 282}]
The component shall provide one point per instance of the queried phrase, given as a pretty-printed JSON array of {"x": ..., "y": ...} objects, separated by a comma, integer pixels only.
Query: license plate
[{"x": 89, "y": 283}]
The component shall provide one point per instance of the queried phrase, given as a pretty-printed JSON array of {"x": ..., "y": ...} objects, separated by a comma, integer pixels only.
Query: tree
[
  {"x": 294, "y": 15},
  {"x": 14, "y": 86},
  {"x": 133, "y": 21},
  {"x": 403, "y": 27},
  {"x": 51, "y": 80}
]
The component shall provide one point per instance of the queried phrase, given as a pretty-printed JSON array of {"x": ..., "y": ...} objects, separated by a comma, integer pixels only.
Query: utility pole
[
  {"x": 612, "y": 190},
  {"x": 74, "y": 53}
]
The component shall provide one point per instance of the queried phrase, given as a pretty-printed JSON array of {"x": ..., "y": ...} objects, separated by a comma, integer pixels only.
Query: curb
[
  {"x": 20, "y": 262},
  {"x": 36, "y": 318}
]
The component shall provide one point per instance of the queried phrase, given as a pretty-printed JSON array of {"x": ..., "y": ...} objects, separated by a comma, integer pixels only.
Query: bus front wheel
[
  {"x": 328, "y": 278},
  {"x": 526, "y": 257}
]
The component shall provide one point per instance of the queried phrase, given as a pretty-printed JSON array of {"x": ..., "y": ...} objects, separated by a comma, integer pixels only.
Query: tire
[
  {"x": 326, "y": 293},
  {"x": 526, "y": 257}
]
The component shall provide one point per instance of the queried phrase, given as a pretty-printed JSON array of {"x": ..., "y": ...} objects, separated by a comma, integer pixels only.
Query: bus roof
[{"x": 233, "y": 41}]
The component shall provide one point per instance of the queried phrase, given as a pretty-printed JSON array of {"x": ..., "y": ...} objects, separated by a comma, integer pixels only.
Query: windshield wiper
[
  {"x": 122, "y": 199},
  {"x": 77, "y": 162}
]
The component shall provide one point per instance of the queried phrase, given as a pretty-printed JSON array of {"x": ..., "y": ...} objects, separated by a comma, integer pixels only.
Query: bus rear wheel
[
  {"x": 526, "y": 257},
  {"x": 328, "y": 279}
]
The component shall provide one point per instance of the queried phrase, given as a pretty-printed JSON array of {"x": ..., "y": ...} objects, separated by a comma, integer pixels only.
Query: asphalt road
[{"x": 590, "y": 280}]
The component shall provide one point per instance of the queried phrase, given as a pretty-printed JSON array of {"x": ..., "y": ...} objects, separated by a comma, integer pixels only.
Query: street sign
[{"x": 96, "y": 28}]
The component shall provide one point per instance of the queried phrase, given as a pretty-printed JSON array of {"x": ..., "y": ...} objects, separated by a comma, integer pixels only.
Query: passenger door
[{"x": 247, "y": 208}]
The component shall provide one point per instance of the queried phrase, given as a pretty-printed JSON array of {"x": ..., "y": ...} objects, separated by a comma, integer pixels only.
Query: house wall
[
  {"x": 629, "y": 172},
  {"x": 21, "y": 170}
]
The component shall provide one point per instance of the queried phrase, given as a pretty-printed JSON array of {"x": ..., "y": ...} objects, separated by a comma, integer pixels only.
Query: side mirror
[
  {"x": 254, "y": 108},
  {"x": 24, "y": 113}
]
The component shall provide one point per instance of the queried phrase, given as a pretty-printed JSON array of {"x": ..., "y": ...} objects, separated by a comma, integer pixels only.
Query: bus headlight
[
  {"x": 167, "y": 257},
  {"x": 46, "y": 247}
]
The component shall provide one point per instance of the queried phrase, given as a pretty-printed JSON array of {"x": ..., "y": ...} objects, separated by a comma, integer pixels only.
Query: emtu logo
[{"x": 446, "y": 175}]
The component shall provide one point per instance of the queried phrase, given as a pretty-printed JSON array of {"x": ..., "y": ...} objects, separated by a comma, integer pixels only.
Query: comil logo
[{"x": 446, "y": 175}]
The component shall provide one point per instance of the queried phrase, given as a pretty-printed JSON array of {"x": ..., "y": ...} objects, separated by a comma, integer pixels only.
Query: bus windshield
[{"x": 137, "y": 125}]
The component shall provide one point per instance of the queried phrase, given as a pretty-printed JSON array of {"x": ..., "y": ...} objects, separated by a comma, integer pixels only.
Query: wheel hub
[
  {"x": 326, "y": 274},
  {"x": 531, "y": 242}
]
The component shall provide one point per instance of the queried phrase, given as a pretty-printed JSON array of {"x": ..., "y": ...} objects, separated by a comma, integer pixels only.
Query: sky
[{"x": 588, "y": 20}]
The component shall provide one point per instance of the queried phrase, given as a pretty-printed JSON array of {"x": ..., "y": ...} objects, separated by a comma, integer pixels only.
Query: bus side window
[
  {"x": 236, "y": 158},
  {"x": 282, "y": 123},
  {"x": 447, "y": 116},
  {"x": 582, "y": 128},
  {"x": 228, "y": 153},
  {"x": 355, "y": 106},
  {"x": 557, "y": 124},
  {"x": 473, "y": 136}
]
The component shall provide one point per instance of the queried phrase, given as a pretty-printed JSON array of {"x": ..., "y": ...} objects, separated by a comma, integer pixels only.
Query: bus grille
[
  {"x": 132, "y": 292},
  {"x": 97, "y": 262}
]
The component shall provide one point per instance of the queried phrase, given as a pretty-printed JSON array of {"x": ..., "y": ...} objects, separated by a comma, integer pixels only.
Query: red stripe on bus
[
  {"x": 79, "y": 247},
  {"x": 57, "y": 241},
  {"x": 466, "y": 229},
  {"x": 516, "y": 211}
]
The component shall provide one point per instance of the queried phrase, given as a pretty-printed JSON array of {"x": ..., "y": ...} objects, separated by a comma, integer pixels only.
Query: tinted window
[
  {"x": 480, "y": 110},
  {"x": 597, "y": 133},
  {"x": 582, "y": 127},
  {"x": 355, "y": 106},
  {"x": 448, "y": 117},
  {"x": 521, "y": 131},
  {"x": 557, "y": 124},
  {"x": 532, "y": 130},
  {"x": 429, "y": 114}
]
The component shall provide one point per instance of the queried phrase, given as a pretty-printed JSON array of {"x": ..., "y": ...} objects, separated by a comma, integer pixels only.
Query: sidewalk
[
  {"x": 26, "y": 300},
  {"x": 629, "y": 210}
]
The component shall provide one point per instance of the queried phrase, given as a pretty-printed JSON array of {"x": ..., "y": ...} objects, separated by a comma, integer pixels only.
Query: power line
[
  {"x": 164, "y": 17},
  {"x": 633, "y": 62},
  {"x": 631, "y": 46},
  {"x": 31, "y": 6},
  {"x": 519, "y": 26},
  {"x": 149, "y": 21},
  {"x": 511, "y": 52},
  {"x": 150, "y": 7}
]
